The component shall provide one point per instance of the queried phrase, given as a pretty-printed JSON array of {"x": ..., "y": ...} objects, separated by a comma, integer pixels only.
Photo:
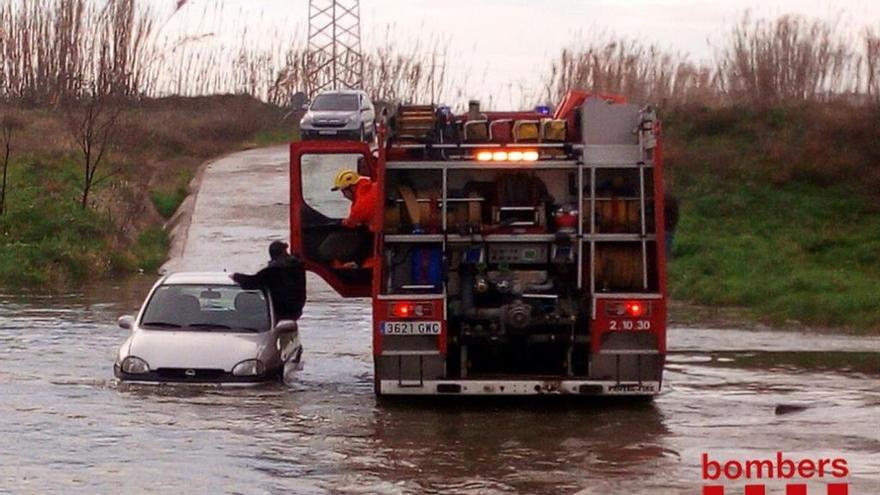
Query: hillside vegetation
[
  {"x": 779, "y": 212},
  {"x": 49, "y": 240}
]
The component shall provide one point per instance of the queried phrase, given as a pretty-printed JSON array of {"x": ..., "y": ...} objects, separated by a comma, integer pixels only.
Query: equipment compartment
[
  {"x": 413, "y": 202},
  {"x": 413, "y": 268},
  {"x": 515, "y": 200}
]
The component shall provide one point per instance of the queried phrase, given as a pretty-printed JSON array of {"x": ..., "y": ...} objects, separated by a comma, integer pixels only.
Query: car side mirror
[
  {"x": 286, "y": 326},
  {"x": 126, "y": 322}
]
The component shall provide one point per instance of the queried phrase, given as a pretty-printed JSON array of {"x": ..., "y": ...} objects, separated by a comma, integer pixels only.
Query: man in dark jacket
[
  {"x": 670, "y": 214},
  {"x": 284, "y": 277}
]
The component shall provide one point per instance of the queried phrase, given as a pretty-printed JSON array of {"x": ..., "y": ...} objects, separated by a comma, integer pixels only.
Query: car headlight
[
  {"x": 251, "y": 367},
  {"x": 135, "y": 366},
  {"x": 307, "y": 120},
  {"x": 352, "y": 118}
]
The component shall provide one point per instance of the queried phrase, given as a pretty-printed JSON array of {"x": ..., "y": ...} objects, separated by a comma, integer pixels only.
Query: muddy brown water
[{"x": 66, "y": 426}]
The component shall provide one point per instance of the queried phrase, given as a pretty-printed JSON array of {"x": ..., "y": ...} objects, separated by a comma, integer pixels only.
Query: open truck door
[{"x": 316, "y": 212}]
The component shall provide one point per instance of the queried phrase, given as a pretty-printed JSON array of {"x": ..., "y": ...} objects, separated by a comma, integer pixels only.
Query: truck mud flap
[
  {"x": 409, "y": 369},
  {"x": 627, "y": 358}
]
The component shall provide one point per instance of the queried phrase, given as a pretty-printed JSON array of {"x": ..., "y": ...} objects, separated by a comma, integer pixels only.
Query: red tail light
[
  {"x": 401, "y": 310},
  {"x": 628, "y": 309},
  {"x": 410, "y": 309},
  {"x": 635, "y": 309}
]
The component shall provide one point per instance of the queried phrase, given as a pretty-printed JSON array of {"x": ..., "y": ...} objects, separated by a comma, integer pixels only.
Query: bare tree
[
  {"x": 872, "y": 63},
  {"x": 92, "y": 123},
  {"x": 8, "y": 125}
]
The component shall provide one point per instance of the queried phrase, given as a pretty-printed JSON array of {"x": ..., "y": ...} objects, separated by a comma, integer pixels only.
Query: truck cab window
[{"x": 318, "y": 173}]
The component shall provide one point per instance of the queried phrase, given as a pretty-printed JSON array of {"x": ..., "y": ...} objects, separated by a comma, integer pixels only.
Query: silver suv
[{"x": 340, "y": 114}]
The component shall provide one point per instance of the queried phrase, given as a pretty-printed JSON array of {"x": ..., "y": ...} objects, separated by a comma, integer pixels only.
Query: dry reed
[
  {"x": 53, "y": 49},
  {"x": 789, "y": 59},
  {"x": 759, "y": 63},
  {"x": 628, "y": 67}
]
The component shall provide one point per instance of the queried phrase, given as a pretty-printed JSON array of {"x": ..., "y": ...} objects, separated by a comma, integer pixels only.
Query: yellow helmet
[{"x": 345, "y": 178}]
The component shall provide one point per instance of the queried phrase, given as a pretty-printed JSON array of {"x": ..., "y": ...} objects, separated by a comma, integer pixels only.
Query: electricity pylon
[{"x": 334, "y": 58}]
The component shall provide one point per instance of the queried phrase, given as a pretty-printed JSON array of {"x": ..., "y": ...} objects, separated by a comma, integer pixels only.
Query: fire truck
[{"x": 511, "y": 253}]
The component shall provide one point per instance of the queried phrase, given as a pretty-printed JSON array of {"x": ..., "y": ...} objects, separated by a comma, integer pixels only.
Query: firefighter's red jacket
[{"x": 364, "y": 206}]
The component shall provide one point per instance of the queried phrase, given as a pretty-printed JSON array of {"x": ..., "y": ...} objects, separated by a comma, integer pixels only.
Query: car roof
[
  {"x": 342, "y": 92},
  {"x": 208, "y": 278}
]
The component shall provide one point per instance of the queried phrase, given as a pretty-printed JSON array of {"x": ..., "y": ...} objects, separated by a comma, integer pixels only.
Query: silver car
[
  {"x": 340, "y": 114},
  {"x": 204, "y": 328}
]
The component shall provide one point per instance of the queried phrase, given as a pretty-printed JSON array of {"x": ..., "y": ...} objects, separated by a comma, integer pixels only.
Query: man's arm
[{"x": 257, "y": 281}]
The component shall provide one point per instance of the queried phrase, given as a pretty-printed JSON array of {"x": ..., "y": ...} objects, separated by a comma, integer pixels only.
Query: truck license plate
[{"x": 411, "y": 327}]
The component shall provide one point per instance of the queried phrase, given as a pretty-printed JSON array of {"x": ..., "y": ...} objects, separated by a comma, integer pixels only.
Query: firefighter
[
  {"x": 284, "y": 277},
  {"x": 352, "y": 248}
]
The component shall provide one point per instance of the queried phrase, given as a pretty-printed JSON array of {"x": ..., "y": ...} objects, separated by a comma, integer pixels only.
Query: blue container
[{"x": 427, "y": 266}]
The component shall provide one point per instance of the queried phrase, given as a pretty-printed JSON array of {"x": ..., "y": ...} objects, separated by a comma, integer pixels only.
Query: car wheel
[{"x": 363, "y": 133}]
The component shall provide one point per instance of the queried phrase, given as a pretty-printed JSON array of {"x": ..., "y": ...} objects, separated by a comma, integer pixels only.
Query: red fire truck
[{"x": 511, "y": 253}]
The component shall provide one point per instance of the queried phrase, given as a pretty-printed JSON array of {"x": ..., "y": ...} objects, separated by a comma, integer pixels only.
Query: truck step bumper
[{"x": 518, "y": 387}]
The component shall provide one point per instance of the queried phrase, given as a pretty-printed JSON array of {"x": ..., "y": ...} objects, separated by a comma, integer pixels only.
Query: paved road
[{"x": 241, "y": 206}]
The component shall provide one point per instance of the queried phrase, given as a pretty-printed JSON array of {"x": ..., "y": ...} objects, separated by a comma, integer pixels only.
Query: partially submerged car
[
  {"x": 204, "y": 328},
  {"x": 340, "y": 114}
]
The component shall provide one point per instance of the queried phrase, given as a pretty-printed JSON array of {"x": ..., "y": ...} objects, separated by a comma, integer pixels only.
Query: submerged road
[{"x": 68, "y": 427}]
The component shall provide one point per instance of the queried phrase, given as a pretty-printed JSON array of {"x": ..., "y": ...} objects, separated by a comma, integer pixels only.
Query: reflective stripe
[{"x": 521, "y": 387}]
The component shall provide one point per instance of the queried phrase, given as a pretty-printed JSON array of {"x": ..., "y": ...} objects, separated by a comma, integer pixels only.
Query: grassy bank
[
  {"x": 779, "y": 214},
  {"x": 49, "y": 240}
]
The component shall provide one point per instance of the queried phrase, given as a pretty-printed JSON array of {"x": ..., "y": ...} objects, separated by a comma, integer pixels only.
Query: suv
[{"x": 346, "y": 113}]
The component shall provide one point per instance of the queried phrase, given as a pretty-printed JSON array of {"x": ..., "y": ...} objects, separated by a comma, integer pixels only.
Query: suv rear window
[{"x": 335, "y": 103}]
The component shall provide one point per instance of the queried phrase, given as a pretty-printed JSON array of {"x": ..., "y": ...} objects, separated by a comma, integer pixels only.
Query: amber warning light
[{"x": 508, "y": 156}]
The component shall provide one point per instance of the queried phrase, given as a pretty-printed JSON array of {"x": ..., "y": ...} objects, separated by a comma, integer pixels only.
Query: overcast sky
[{"x": 502, "y": 46}]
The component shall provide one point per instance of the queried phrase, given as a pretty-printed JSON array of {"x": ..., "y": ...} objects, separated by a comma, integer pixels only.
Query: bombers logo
[{"x": 753, "y": 471}]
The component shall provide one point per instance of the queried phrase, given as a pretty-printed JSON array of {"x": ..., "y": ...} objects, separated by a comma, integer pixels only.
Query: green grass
[
  {"x": 47, "y": 240},
  {"x": 279, "y": 135},
  {"x": 167, "y": 202},
  {"x": 168, "y": 198},
  {"x": 793, "y": 252},
  {"x": 151, "y": 249}
]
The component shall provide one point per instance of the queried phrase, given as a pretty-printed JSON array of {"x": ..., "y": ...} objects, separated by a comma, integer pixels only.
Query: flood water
[{"x": 67, "y": 426}]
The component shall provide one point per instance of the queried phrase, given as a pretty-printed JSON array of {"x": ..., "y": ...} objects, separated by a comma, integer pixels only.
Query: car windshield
[
  {"x": 335, "y": 103},
  {"x": 207, "y": 308}
]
